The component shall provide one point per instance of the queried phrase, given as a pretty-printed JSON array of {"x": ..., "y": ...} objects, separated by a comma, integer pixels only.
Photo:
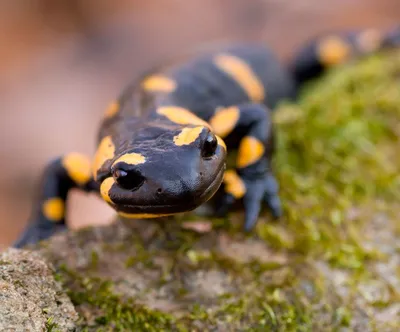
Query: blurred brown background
[{"x": 62, "y": 61}]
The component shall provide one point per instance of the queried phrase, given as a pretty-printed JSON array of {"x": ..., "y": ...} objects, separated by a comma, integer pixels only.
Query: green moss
[
  {"x": 343, "y": 316},
  {"x": 283, "y": 318},
  {"x": 94, "y": 260},
  {"x": 51, "y": 326},
  {"x": 337, "y": 152},
  {"x": 256, "y": 312},
  {"x": 112, "y": 312},
  {"x": 19, "y": 283}
]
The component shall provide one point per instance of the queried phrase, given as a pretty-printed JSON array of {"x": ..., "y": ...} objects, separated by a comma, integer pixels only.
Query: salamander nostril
[{"x": 127, "y": 178}]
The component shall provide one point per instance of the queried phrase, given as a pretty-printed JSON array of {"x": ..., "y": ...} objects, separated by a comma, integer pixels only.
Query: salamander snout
[
  {"x": 127, "y": 177},
  {"x": 176, "y": 172}
]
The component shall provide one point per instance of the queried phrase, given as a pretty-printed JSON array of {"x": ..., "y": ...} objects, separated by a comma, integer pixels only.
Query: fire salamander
[{"x": 162, "y": 145}]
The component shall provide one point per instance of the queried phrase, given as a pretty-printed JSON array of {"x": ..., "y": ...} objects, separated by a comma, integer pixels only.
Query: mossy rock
[{"x": 331, "y": 263}]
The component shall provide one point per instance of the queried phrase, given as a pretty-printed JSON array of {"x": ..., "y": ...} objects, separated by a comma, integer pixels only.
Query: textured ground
[
  {"x": 330, "y": 264},
  {"x": 30, "y": 297}
]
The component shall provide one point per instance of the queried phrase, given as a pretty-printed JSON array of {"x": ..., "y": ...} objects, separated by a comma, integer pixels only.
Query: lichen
[{"x": 329, "y": 263}]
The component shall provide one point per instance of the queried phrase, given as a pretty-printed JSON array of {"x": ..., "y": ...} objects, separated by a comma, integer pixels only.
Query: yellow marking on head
[
  {"x": 105, "y": 189},
  {"x": 104, "y": 152},
  {"x": 143, "y": 215},
  {"x": 333, "y": 50},
  {"x": 77, "y": 167},
  {"x": 221, "y": 142},
  {"x": 369, "y": 40},
  {"x": 54, "y": 209},
  {"x": 159, "y": 83},
  {"x": 224, "y": 121},
  {"x": 131, "y": 159},
  {"x": 188, "y": 135},
  {"x": 250, "y": 151},
  {"x": 181, "y": 115},
  {"x": 112, "y": 109},
  {"x": 234, "y": 185},
  {"x": 243, "y": 74}
]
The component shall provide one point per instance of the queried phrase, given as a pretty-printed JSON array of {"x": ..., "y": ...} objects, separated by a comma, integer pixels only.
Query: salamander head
[{"x": 164, "y": 170}]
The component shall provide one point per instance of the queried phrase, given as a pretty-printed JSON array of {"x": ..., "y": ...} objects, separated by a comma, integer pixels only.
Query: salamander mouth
[{"x": 185, "y": 206}]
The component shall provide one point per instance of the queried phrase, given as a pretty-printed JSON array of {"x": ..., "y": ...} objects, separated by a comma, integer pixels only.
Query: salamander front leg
[
  {"x": 253, "y": 192},
  {"x": 49, "y": 212},
  {"x": 252, "y": 180},
  {"x": 258, "y": 191},
  {"x": 271, "y": 195}
]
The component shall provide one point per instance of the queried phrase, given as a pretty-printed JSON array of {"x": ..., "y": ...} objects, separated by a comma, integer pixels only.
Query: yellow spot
[
  {"x": 369, "y": 40},
  {"x": 77, "y": 167},
  {"x": 112, "y": 110},
  {"x": 188, "y": 135},
  {"x": 234, "y": 185},
  {"x": 224, "y": 121},
  {"x": 250, "y": 151},
  {"x": 131, "y": 159},
  {"x": 181, "y": 115},
  {"x": 243, "y": 74},
  {"x": 221, "y": 142},
  {"x": 159, "y": 83},
  {"x": 104, "y": 152},
  {"x": 105, "y": 189},
  {"x": 142, "y": 215},
  {"x": 333, "y": 50},
  {"x": 53, "y": 209}
]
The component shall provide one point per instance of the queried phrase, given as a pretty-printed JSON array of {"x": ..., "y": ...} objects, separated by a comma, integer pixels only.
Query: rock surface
[
  {"x": 30, "y": 298},
  {"x": 140, "y": 276}
]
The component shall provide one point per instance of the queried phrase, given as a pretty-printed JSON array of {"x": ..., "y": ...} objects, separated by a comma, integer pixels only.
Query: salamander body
[{"x": 163, "y": 144}]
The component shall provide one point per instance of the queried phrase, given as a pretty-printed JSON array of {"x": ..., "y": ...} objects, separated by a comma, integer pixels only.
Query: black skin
[
  {"x": 306, "y": 64},
  {"x": 171, "y": 174},
  {"x": 175, "y": 178},
  {"x": 392, "y": 38},
  {"x": 55, "y": 183},
  {"x": 255, "y": 121}
]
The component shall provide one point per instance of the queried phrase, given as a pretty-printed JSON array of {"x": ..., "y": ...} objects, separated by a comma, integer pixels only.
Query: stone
[{"x": 30, "y": 297}]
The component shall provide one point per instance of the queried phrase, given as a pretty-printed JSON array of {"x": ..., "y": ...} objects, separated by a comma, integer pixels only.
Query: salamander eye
[
  {"x": 209, "y": 146},
  {"x": 127, "y": 178}
]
